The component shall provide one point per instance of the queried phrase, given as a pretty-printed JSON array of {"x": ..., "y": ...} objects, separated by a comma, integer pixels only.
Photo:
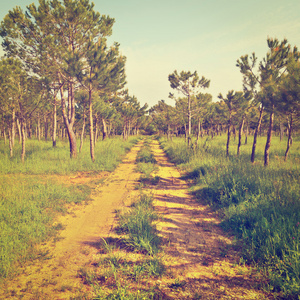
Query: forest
[{"x": 64, "y": 101}]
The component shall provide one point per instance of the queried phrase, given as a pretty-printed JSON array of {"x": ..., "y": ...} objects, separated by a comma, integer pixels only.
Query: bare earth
[{"x": 200, "y": 257}]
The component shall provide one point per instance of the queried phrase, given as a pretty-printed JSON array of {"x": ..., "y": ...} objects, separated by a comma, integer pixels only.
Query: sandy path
[
  {"x": 56, "y": 277},
  {"x": 201, "y": 257}
]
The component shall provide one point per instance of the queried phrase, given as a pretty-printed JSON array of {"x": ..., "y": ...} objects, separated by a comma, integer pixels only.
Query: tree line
[
  {"x": 269, "y": 87},
  {"x": 59, "y": 70}
]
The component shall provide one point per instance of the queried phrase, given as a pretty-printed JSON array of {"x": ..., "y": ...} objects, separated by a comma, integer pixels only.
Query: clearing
[{"x": 202, "y": 261}]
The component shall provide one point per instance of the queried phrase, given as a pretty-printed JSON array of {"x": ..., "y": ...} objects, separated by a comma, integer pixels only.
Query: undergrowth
[{"x": 260, "y": 205}]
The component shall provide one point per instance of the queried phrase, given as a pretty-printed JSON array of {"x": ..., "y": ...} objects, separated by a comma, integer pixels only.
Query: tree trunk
[
  {"x": 289, "y": 142},
  {"x": 257, "y": 130},
  {"x": 228, "y": 136},
  {"x": 82, "y": 133},
  {"x": 269, "y": 138},
  {"x": 190, "y": 120},
  {"x": 13, "y": 128},
  {"x": 168, "y": 134},
  {"x": 4, "y": 136},
  {"x": 185, "y": 133},
  {"x": 92, "y": 146},
  {"x": 23, "y": 139},
  {"x": 10, "y": 143},
  {"x": 19, "y": 131},
  {"x": 246, "y": 134},
  {"x": 54, "y": 124},
  {"x": 281, "y": 129},
  {"x": 96, "y": 131},
  {"x": 104, "y": 130},
  {"x": 240, "y": 135},
  {"x": 199, "y": 130},
  {"x": 69, "y": 122},
  {"x": 39, "y": 127},
  {"x": 46, "y": 127}
]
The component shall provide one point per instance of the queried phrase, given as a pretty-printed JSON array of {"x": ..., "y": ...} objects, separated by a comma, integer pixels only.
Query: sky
[{"x": 207, "y": 36}]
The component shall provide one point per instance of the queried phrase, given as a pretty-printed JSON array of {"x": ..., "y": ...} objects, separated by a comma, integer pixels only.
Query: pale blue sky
[{"x": 159, "y": 36}]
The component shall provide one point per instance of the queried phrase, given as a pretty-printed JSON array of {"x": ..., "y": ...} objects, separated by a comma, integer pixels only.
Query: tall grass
[
  {"x": 28, "y": 204},
  {"x": 138, "y": 225},
  {"x": 42, "y": 158},
  {"x": 27, "y": 210},
  {"x": 261, "y": 205}
]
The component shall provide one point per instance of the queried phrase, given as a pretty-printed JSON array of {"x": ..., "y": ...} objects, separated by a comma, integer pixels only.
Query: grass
[
  {"x": 137, "y": 223},
  {"x": 27, "y": 211},
  {"x": 260, "y": 205},
  {"x": 42, "y": 158},
  {"x": 30, "y": 202},
  {"x": 129, "y": 265},
  {"x": 146, "y": 164}
]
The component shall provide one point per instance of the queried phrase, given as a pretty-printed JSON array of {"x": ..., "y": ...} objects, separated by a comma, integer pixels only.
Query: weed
[{"x": 137, "y": 223}]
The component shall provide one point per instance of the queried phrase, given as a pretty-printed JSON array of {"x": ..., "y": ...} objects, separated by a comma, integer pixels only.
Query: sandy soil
[
  {"x": 201, "y": 257},
  {"x": 202, "y": 260}
]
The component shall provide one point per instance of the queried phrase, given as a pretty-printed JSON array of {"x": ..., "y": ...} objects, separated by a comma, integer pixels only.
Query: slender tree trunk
[
  {"x": 10, "y": 143},
  {"x": 246, "y": 134},
  {"x": 23, "y": 139},
  {"x": 92, "y": 146},
  {"x": 13, "y": 128},
  {"x": 185, "y": 133},
  {"x": 46, "y": 127},
  {"x": 39, "y": 127},
  {"x": 199, "y": 130},
  {"x": 19, "y": 131},
  {"x": 69, "y": 122},
  {"x": 190, "y": 121},
  {"x": 269, "y": 138},
  {"x": 228, "y": 136},
  {"x": 104, "y": 130},
  {"x": 82, "y": 133},
  {"x": 4, "y": 136},
  {"x": 257, "y": 130},
  {"x": 281, "y": 129},
  {"x": 168, "y": 134},
  {"x": 54, "y": 124},
  {"x": 240, "y": 136},
  {"x": 290, "y": 139},
  {"x": 96, "y": 131}
]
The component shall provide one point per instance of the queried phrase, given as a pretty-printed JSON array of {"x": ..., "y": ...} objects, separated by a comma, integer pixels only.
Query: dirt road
[
  {"x": 56, "y": 276},
  {"x": 202, "y": 261},
  {"x": 201, "y": 257}
]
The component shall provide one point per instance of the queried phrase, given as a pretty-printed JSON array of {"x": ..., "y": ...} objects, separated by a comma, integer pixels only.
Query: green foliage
[
  {"x": 260, "y": 205},
  {"x": 138, "y": 225}
]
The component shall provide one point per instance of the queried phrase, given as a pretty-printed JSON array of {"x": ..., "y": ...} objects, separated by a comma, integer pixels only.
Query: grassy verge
[
  {"x": 261, "y": 205},
  {"x": 27, "y": 210},
  {"x": 29, "y": 202},
  {"x": 42, "y": 158}
]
